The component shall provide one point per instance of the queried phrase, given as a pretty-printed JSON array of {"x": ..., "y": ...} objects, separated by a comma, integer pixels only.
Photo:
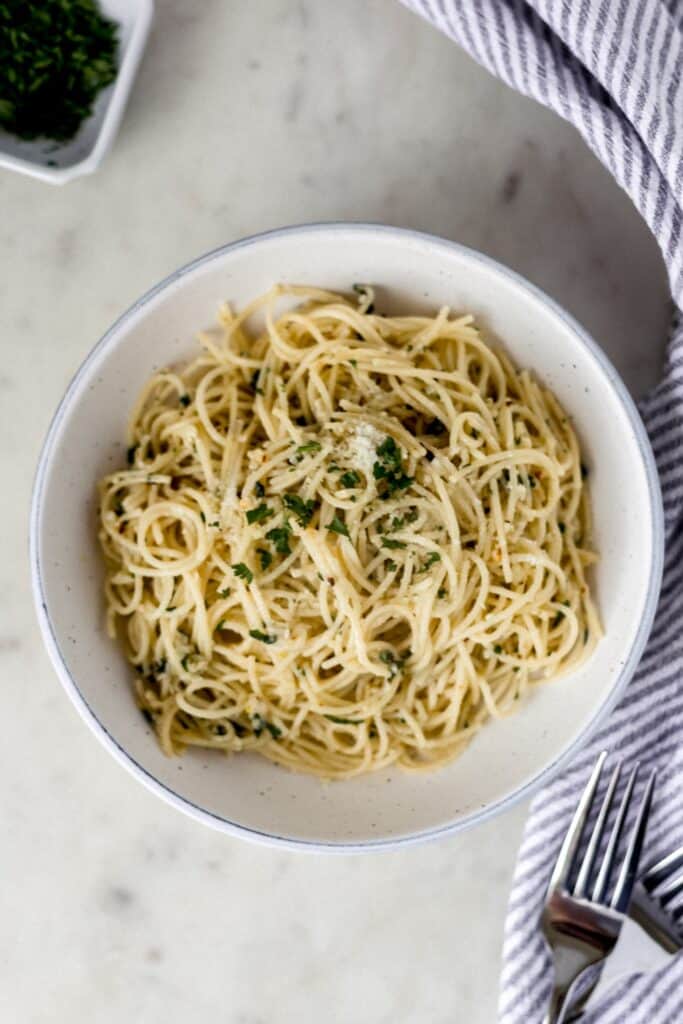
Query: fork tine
[
  {"x": 567, "y": 855},
  {"x": 596, "y": 836},
  {"x": 662, "y": 869},
  {"x": 669, "y": 891},
  {"x": 629, "y": 868},
  {"x": 602, "y": 881}
]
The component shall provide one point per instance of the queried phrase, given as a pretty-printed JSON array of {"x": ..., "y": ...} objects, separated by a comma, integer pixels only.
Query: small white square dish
[{"x": 59, "y": 162}]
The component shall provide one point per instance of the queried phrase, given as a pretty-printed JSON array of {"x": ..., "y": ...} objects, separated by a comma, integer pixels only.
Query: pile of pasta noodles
[{"x": 345, "y": 540}]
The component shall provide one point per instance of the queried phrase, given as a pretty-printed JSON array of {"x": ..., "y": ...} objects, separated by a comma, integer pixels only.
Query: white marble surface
[{"x": 247, "y": 116}]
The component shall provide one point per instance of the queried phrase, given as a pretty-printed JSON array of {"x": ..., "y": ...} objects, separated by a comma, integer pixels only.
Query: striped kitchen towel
[{"x": 614, "y": 69}]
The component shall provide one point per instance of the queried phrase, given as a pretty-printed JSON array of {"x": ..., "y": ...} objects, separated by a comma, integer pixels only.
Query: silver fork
[
  {"x": 580, "y": 922},
  {"x": 656, "y": 904}
]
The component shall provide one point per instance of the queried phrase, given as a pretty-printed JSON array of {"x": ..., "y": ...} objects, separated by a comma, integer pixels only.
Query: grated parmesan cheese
[{"x": 363, "y": 446}]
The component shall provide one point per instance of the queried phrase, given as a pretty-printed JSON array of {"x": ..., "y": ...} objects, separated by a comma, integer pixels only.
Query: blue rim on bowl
[{"x": 474, "y": 817}]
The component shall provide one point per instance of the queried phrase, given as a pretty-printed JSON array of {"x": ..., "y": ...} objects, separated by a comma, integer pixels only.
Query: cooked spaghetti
[{"x": 345, "y": 540}]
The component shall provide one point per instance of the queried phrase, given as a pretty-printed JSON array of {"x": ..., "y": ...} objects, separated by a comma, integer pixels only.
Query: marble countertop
[{"x": 245, "y": 117}]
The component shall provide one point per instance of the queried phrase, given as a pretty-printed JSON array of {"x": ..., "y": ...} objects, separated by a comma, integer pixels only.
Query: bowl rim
[{"x": 216, "y": 821}]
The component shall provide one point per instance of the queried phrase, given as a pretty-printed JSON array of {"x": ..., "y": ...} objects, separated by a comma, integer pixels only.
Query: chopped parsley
[
  {"x": 337, "y": 526},
  {"x": 310, "y": 446},
  {"x": 430, "y": 560},
  {"x": 265, "y": 638},
  {"x": 391, "y": 565},
  {"x": 265, "y": 558},
  {"x": 350, "y": 479},
  {"x": 55, "y": 57},
  {"x": 184, "y": 660},
  {"x": 393, "y": 545},
  {"x": 259, "y": 724},
  {"x": 224, "y": 593},
  {"x": 302, "y": 510},
  {"x": 364, "y": 293},
  {"x": 497, "y": 649},
  {"x": 259, "y": 489},
  {"x": 344, "y": 721},
  {"x": 243, "y": 572},
  {"x": 280, "y": 535},
  {"x": 393, "y": 661},
  {"x": 389, "y": 468},
  {"x": 258, "y": 514}
]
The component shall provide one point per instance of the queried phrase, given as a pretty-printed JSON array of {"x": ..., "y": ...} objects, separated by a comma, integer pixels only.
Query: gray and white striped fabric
[{"x": 614, "y": 69}]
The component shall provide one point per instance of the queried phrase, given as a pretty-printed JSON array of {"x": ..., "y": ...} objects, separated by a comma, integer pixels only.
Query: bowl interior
[{"x": 412, "y": 272}]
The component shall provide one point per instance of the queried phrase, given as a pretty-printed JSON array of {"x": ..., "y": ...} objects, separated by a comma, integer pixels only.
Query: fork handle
[
  {"x": 562, "y": 998},
  {"x": 558, "y": 1004}
]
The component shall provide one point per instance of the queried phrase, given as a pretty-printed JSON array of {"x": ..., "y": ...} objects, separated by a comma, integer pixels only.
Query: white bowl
[
  {"x": 59, "y": 162},
  {"x": 247, "y": 795}
]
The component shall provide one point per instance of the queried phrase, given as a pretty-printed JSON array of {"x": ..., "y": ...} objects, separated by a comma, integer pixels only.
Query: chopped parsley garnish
[
  {"x": 224, "y": 593},
  {"x": 184, "y": 660},
  {"x": 259, "y": 724},
  {"x": 220, "y": 624},
  {"x": 389, "y": 468},
  {"x": 350, "y": 479},
  {"x": 55, "y": 57},
  {"x": 391, "y": 565},
  {"x": 333, "y": 468},
  {"x": 337, "y": 526},
  {"x": 364, "y": 292},
  {"x": 497, "y": 649},
  {"x": 310, "y": 446},
  {"x": 265, "y": 558},
  {"x": 258, "y": 514},
  {"x": 130, "y": 454},
  {"x": 259, "y": 489},
  {"x": 302, "y": 510},
  {"x": 393, "y": 545},
  {"x": 185, "y": 400},
  {"x": 430, "y": 560},
  {"x": 243, "y": 572},
  {"x": 280, "y": 535},
  {"x": 344, "y": 721},
  {"x": 394, "y": 662},
  {"x": 265, "y": 638}
]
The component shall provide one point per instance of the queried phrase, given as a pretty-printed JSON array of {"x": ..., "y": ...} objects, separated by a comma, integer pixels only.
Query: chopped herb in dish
[
  {"x": 243, "y": 572},
  {"x": 337, "y": 526},
  {"x": 257, "y": 515}
]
